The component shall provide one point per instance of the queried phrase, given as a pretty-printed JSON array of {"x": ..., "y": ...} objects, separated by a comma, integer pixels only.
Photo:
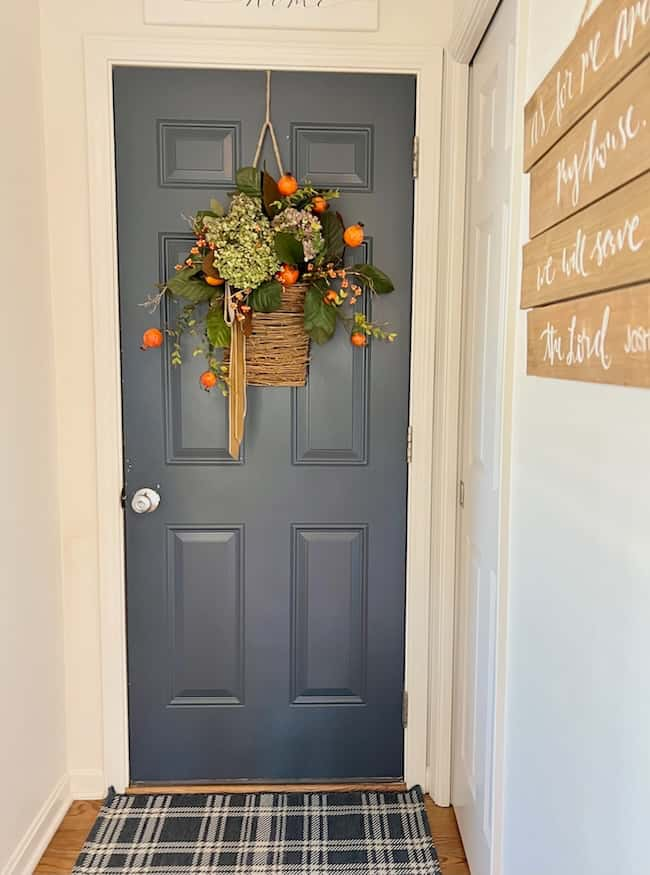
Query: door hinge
[
  {"x": 123, "y": 496},
  {"x": 461, "y": 493},
  {"x": 409, "y": 444},
  {"x": 416, "y": 157},
  {"x": 405, "y": 709}
]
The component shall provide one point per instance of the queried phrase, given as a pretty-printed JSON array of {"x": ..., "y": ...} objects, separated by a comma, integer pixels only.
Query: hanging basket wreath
[{"x": 262, "y": 279}]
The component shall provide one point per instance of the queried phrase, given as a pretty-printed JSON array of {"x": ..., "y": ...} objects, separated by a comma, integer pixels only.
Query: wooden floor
[{"x": 60, "y": 856}]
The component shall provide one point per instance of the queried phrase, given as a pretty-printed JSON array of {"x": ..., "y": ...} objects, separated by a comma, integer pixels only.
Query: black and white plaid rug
[{"x": 261, "y": 834}]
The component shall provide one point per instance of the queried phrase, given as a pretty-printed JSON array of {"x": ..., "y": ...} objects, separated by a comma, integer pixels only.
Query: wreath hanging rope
[{"x": 263, "y": 279}]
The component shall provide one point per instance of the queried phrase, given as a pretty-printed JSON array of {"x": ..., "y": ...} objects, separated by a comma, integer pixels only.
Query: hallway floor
[{"x": 60, "y": 856}]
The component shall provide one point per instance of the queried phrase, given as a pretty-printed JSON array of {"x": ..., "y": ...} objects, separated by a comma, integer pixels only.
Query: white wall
[
  {"x": 578, "y": 720},
  {"x": 32, "y": 728},
  {"x": 64, "y": 24}
]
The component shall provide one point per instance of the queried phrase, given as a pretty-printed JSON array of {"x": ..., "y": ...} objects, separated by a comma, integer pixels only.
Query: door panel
[
  {"x": 265, "y": 595},
  {"x": 489, "y": 195}
]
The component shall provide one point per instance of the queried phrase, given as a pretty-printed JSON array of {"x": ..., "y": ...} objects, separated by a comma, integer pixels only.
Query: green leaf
[
  {"x": 215, "y": 326},
  {"x": 216, "y": 207},
  {"x": 377, "y": 279},
  {"x": 320, "y": 318},
  {"x": 186, "y": 284},
  {"x": 201, "y": 214},
  {"x": 249, "y": 181},
  {"x": 267, "y": 297},
  {"x": 270, "y": 194},
  {"x": 333, "y": 236},
  {"x": 288, "y": 249}
]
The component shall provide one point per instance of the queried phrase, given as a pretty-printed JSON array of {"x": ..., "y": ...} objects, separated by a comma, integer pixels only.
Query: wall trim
[
  {"x": 102, "y": 53},
  {"x": 87, "y": 784},
  {"x": 468, "y": 33},
  {"x": 446, "y": 425},
  {"x": 31, "y": 846}
]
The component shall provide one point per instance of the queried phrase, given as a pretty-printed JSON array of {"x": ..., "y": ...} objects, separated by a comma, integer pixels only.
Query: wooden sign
[
  {"x": 603, "y": 247},
  {"x": 610, "y": 146},
  {"x": 300, "y": 14},
  {"x": 610, "y": 44},
  {"x": 600, "y": 339}
]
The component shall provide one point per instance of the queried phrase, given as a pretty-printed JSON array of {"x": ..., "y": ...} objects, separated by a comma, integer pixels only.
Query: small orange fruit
[
  {"x": 354, "y": 235},
  {"x": 152, "y": 338},
  {"x": 287, "y": 185},
  {"x": 331, "y": 297},
  {"x": 288, "y": 275},
  {"x": 208, "y": 380},
  {"x": 319, "y": 205},
  {"x": 214, "y": 280},
  {"x": 358, "y": 339}
]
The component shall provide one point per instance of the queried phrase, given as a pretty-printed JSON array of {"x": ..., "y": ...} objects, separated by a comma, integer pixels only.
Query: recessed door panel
[
  {"x": 206, "y": 601},
  {"x": 329, "y": 640}
]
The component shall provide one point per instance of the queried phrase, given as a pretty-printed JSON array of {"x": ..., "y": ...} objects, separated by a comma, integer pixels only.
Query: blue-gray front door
[{"x": 265, "y": 596}]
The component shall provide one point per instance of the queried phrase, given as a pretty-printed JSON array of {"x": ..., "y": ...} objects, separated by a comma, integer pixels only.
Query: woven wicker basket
[{"x": 277, "y": 351}]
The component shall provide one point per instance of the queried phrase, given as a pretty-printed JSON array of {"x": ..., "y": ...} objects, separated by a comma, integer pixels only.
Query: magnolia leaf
[
  {"x": 208, "y": 265},
  {"x": 186, "y": 284},
  {"x": 333, "y": 236},
  {"x": 247, "y": 324},
  {"x": 267, "y": 297},
  {"x": 215, "y": 326},
  {"x": 216, "y": 207},
  {"x": 249, "y": 181},
  {"x": 288, "y": 249},
  {"x": 376, "y": 279},
  {"x": 270, "y": 194},
  {"x": 320, "y": 318},
  {"x": 202, "y": 214}
]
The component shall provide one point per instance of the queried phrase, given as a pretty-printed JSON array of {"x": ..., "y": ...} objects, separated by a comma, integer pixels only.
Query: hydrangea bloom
[
  {"x": 305, "y": 226},
  {"x": 244, "y": 253}
]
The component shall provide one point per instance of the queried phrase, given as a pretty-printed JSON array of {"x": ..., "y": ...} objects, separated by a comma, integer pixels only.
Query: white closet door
[{"x": 486, "y": 260}]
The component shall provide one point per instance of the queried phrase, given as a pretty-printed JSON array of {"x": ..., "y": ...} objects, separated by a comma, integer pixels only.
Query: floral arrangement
[{"x": 274, "y": 235}]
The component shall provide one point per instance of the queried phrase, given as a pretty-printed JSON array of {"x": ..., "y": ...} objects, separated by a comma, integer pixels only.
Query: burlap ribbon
[{"x": 237, "y": 375}]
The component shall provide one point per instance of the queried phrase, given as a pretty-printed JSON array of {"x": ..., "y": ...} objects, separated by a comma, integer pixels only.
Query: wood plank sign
[
  {"x": 610, "y": 146},
  {"x": 586, "y": 270},
  {"x": 603, "y": 247},
  {"x": 609, "y": 45},
  {"x": 600, "y": 339},
  {"x": 299, "y": 14}
]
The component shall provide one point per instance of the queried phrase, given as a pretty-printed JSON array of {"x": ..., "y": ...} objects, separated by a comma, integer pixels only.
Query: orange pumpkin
[
  {"x": 354, "y": 235},
  {"x": 288, "y": 275},
  {"x": 152, "y": 338},
  {"x": 319, "y": 205},
  {"x": 208, "y": 380},
  {"x": 287, "y": 185},
  {"x": 358, "y": 339}
]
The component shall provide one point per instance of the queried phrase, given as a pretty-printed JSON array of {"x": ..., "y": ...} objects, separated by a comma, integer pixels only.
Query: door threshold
[{"x": 244, "y": 786}]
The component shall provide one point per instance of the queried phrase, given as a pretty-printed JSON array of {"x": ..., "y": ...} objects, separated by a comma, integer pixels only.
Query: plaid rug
[{"x": 260, "y": 833}]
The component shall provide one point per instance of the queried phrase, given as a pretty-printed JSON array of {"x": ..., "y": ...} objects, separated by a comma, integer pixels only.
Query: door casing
[{"x": 424, "y": 620}]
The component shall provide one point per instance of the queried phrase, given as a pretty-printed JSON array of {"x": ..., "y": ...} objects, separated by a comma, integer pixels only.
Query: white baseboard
[
  {"x": 87, "y": 784},
  {"x": 31, "y": 846}
]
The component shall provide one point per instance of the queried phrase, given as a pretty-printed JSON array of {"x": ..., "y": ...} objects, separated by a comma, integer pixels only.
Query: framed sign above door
[{"x": 299, "y": 14}]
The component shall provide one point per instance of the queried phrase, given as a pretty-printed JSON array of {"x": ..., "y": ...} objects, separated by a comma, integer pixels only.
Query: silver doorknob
[{"x": 145, "y": 500}]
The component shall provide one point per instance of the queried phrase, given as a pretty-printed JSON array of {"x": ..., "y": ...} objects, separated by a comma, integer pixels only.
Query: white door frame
[{"x": 428, "y": 519}]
